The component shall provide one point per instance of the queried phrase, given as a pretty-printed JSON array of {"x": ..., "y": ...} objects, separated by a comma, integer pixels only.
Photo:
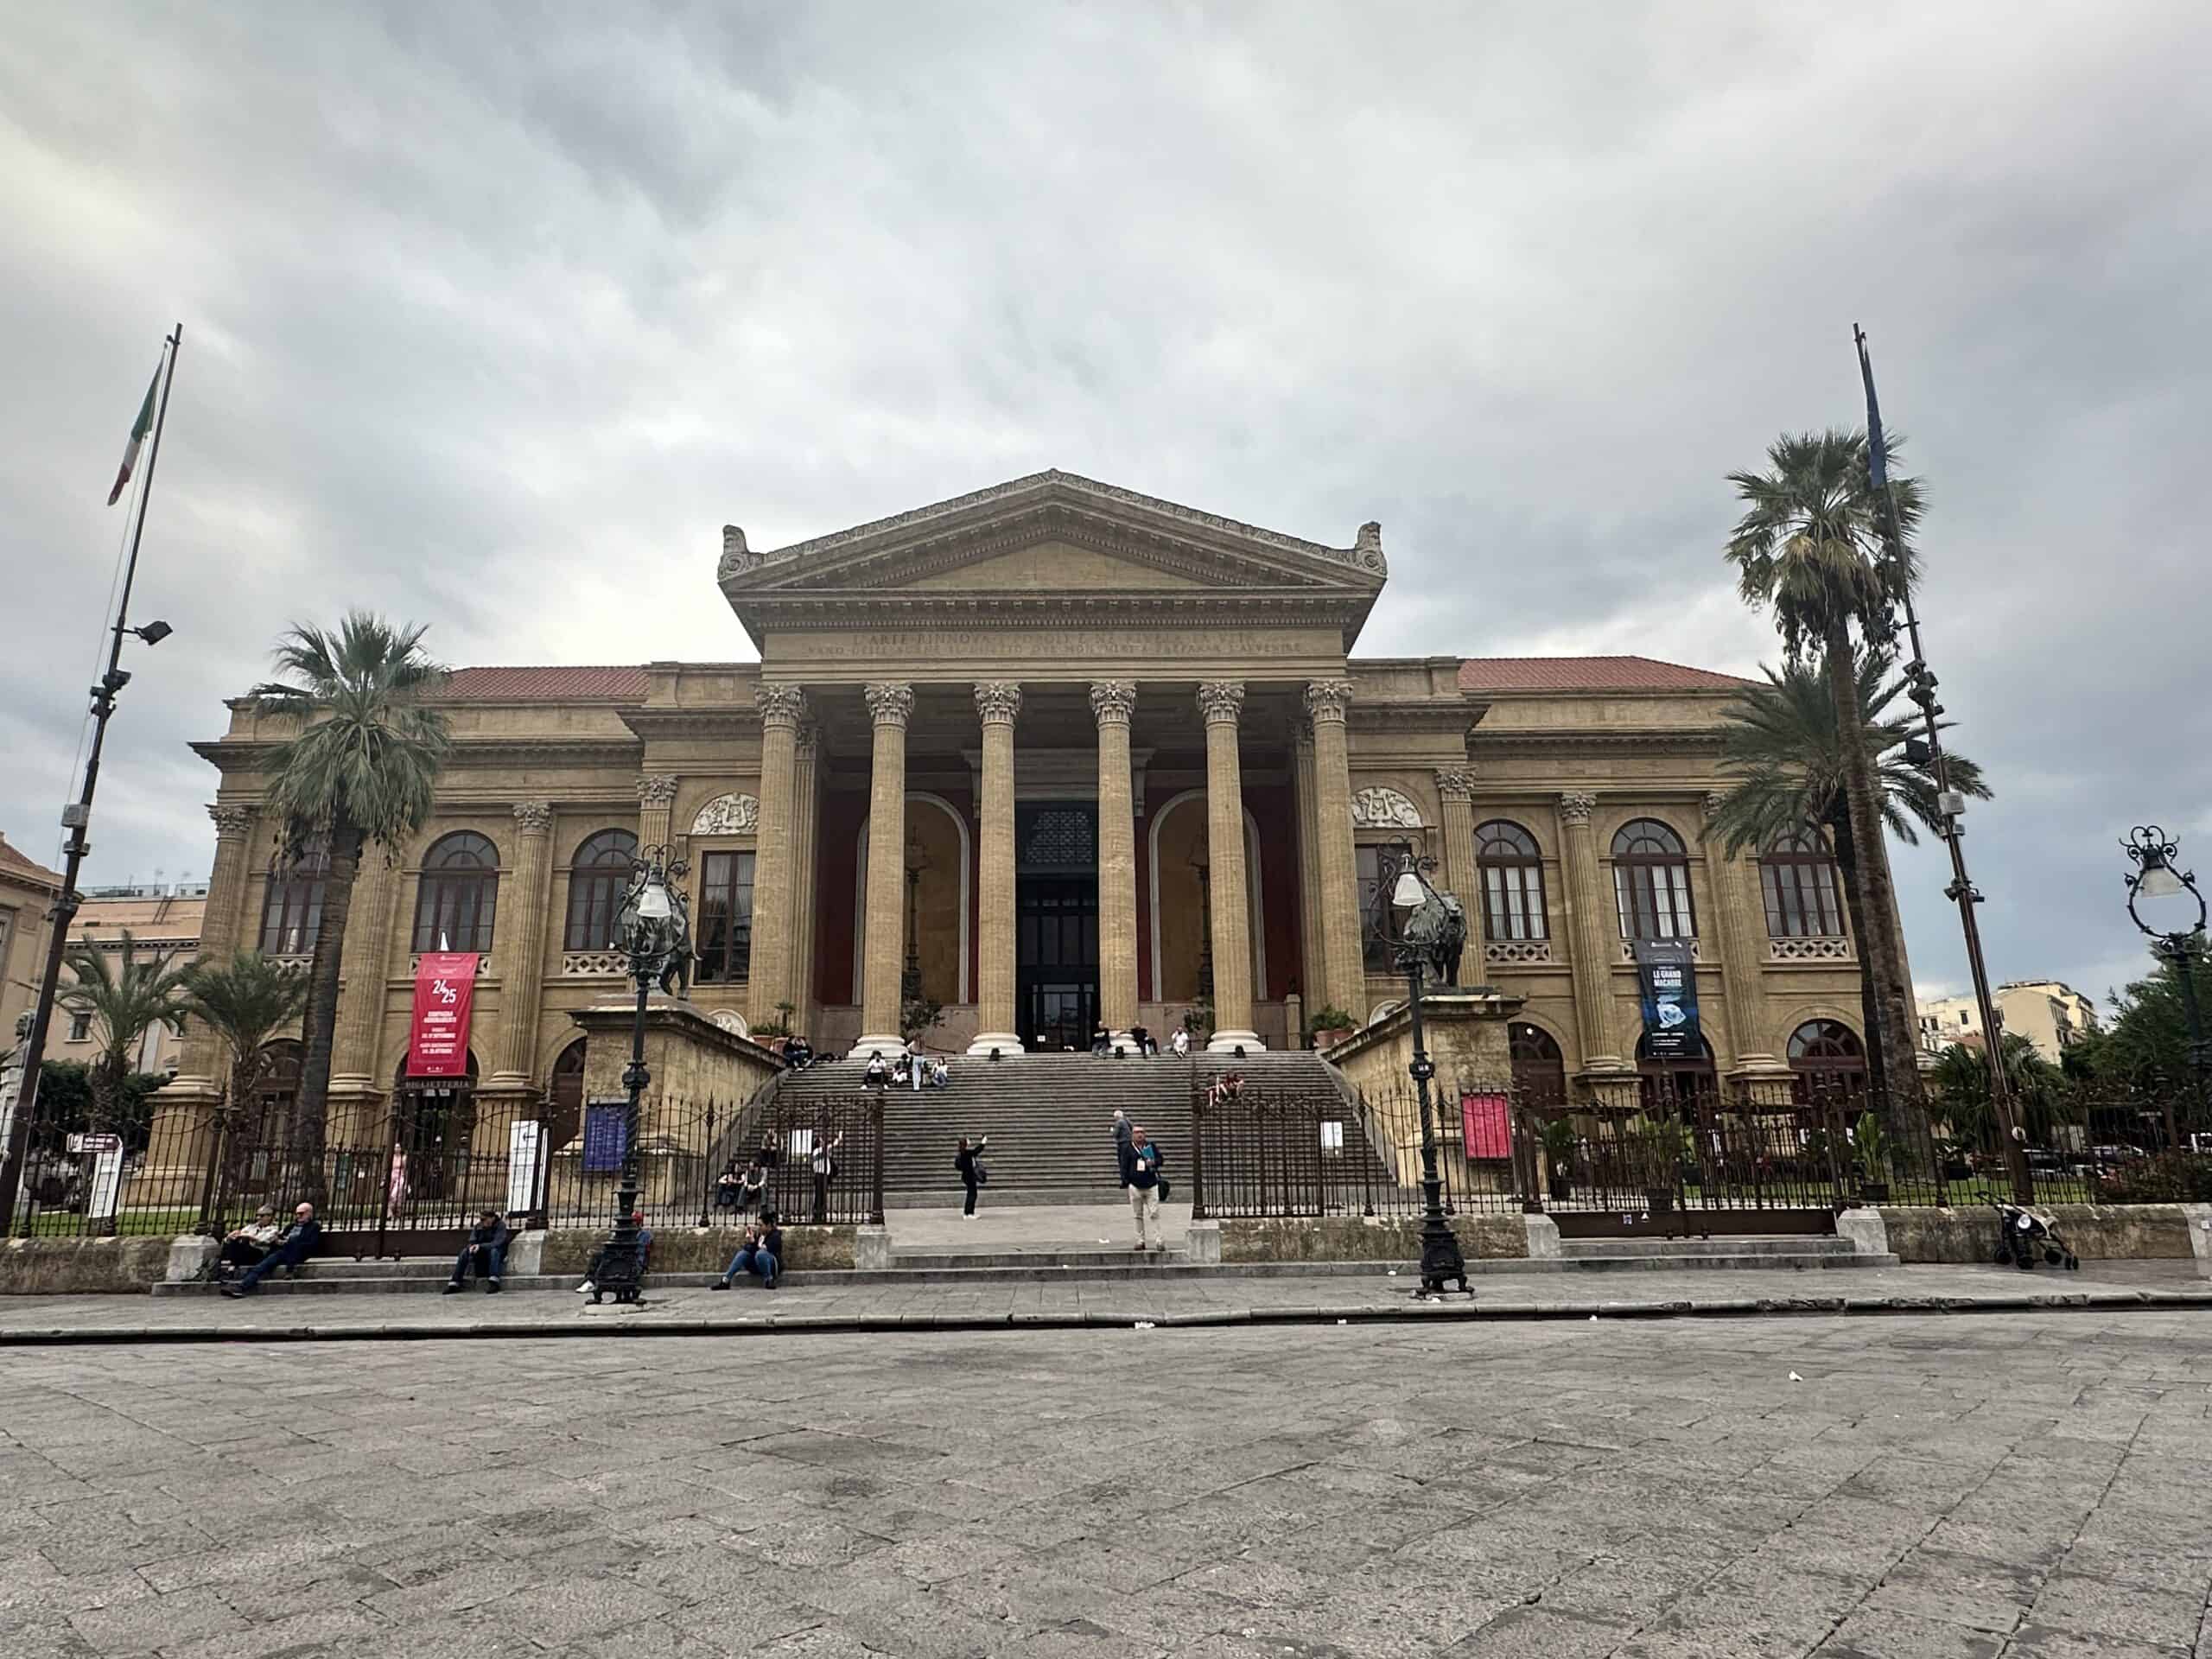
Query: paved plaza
[{"x": 1938, "y": 1485}]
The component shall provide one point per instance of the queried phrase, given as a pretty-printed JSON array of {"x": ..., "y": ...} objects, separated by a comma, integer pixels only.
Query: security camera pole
[{"x": 77, "y": 816}]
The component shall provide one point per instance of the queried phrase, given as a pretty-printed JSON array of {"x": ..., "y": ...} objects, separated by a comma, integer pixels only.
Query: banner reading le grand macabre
[
  {"x": 445, "y": 995},
  {"x": 1666, "y": 973}
]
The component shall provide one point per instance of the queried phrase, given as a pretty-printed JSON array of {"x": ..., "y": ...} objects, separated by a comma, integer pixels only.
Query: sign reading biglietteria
[{"x": 1667, "y": 975}]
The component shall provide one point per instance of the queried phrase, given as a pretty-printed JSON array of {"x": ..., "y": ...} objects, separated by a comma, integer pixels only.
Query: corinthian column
[
  {"x": 1222, "y": 703},
  {"x": 1327, "y": 701},
  {"x": 1312, "y": 963},
  {"x": 1743, "y": 948},
  {"x": 1112, "y": 704},
  {"x": 890, "y": 704},
  {"x": 806, "y": 814},
  {"x": 997, "y": 701},
  {"x": 1455, "y": 787},
  {"x": 520, "y": 948},
  {"x": 770, "y": 972},
  {"x": 200, "y": 1068},
  {"x": 1592, "y": 931},
  {"x": 354, "y": 1044}
]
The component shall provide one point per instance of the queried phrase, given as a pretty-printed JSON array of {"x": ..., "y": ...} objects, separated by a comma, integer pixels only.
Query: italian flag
[{"x": 139, "y": 428}]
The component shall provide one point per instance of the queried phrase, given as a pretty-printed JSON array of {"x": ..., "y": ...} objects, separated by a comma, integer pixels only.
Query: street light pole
[
  {"x": 1426, "y": 940},
  {"x": 2170, "y": 893},
  {"x": 77, "y": 818},
  {"x": 657, "y": 935}
]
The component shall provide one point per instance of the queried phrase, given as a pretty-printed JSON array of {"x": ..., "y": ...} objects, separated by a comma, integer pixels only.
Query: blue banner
[
  {"x": 1666, "y": 973},
  {"x": 606, "y": 1137}
]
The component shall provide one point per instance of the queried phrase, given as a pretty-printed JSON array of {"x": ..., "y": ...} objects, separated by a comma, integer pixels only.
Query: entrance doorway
[{"x": 1056, "y": 932}]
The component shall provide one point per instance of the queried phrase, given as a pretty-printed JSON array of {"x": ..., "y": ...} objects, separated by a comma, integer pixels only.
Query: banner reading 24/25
[
  {"x": 1666, "y": 973},
  {"x": 445, "y": 993}
]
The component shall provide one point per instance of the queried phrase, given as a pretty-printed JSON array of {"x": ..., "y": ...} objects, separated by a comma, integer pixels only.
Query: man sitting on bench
[{"x": 294, "y": 1245}]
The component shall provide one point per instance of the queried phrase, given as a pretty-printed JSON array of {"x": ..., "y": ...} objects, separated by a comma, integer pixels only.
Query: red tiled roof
[
  {"x": 15, "y": 863},
  {"x": 1588, "y": 674},
  {"x": 544, "y": 684}
]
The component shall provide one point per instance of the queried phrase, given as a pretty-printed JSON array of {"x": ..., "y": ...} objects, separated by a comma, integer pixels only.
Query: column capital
[
  {"x": 534, "y": 818},
  {"x": 779, "y": 705},
  {"x": 890, "y": 702},
  {"x": 1222, "y": 702},
  {"x": 1714, "y": 800},
  {"x": 1577, "y": 807},
  {"x": 997, "y": 701},
  {"x": 656, "y": 789},
  {"x": 232, "y": 823},
  {"x": 1456, "y": 783},
  {"x": 1113, "y": 701},
  {"x": 810, "y": 739},
  {"x": 1328, "y": 700}
]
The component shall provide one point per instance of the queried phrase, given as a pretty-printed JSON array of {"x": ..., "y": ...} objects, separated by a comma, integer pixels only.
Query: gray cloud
[{"x": 494, "y": 314}]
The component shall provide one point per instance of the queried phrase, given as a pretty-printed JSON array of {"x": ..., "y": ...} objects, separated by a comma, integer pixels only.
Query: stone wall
[
  {"x": 1360, "y": 1238},
  {"x": 1465, "y": 1031},
  {"x": 2108, "y": 1232},
  {"x": 694, "y": 1251},
  {"x": 81, "y": 1266}
]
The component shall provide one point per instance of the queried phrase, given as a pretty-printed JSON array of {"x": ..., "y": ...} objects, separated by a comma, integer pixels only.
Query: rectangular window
[
  {"x": 80, "y": 1028},
  {"x": 725, "y": 918},
  {"x": 1379, "y": 921},
  {"x": 1513, "y": 901},
  {"x": 1654, "y": 899},
  {"x": 1802, "y": 902}
]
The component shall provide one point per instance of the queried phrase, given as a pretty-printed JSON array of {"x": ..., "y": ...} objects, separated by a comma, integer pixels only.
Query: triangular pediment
[{"x": 1051, "y": 531}]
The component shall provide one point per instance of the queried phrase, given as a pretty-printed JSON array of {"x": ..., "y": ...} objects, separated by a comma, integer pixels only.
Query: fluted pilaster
[
  {"x": 1455, "y": 790},
  {"x": 1592, "y": 927},
  {"x": 656, "y": 801},
  {"x": 806, "y": 827},
  {"x": 519, "y": 952},
  {"x": 1313, "y": 963},
  {"x": 223, "y": 924},
  {"x": 1734, "y": 888}
]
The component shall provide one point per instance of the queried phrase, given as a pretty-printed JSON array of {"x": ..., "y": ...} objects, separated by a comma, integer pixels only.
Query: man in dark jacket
[
  {"x": 485, "y": 1252},
  {"x": 1144, "y": 1192},
  {"x": 294, "y": 1245}
]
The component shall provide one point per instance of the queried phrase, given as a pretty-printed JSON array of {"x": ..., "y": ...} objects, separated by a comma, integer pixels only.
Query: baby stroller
[{"x": 2022, "y": 1235}]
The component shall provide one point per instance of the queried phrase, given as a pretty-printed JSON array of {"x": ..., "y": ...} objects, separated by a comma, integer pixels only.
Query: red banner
[
  {"x": 1486, "y": 1119},
  {"x": 445, "y": 991}
]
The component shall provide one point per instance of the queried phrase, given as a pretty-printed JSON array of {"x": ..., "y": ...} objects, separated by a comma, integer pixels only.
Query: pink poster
[{"x": 1487, "y": 1120}]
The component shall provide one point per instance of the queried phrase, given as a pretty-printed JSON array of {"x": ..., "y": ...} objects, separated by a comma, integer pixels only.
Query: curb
[{"x": 1412, "y": 1311}]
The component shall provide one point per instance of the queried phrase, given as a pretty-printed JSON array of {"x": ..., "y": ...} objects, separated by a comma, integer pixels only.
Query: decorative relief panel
[
  {"x": 594, "y": 964},
  {"x": 483, "y": 965},
  {"x": 1377, "y": 808},
  {"x": 727, "y": 815},
  {"x": 731, "y": 1022},
  {"x": 1697, "y": 951}
]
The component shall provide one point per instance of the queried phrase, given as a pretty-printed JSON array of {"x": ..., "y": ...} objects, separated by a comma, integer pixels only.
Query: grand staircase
[{"x": 1050, "y": 1118}]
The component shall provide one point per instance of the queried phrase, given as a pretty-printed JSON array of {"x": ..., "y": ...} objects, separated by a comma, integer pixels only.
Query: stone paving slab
[
  {"x": 1819, "y": 1488},
  {"x": 1363, "y": 1298}
]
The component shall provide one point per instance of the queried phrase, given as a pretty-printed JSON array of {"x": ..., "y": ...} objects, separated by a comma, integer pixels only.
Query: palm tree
[
  {"x": 2040, "y": 1100},
  {"x": 1782, "y": 745},
  {"x": 245, "y": 1001},
  {"x": 124, "y": 1001},
  {"x": 1809, "y": 546},
  {"x": 359, "y": 775}
]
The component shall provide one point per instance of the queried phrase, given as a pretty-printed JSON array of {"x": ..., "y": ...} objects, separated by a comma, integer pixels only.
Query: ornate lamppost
[
  {"x": 655, "y": 928},
  {"x": 2160, "y": 900},
  {"x": 1432, "y": 933}
]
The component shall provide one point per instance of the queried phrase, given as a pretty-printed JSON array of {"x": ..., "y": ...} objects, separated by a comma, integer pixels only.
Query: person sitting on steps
[
  {"x": 761, "y": 1252},
  {"x": 244, "y": 1246},
  {"x": 485, "y": 1253},
  {"x": 293, "y": 1246}
]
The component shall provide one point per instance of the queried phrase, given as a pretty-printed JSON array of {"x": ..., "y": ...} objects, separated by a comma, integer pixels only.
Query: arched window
[
  {"x": 1826, "y": 1060},
  {"x": 291, "y": 909},
  {"x": 1380, "y": 922},
  {"x": 1798, "y": 875},
  {"x": 1539, "y": 1068},
  {"x": 1651, "y": 882},
  {"x": 597, "y": 877},
  {"x": 1513, "y": 882},
  {"x": 460, "y": 890}
]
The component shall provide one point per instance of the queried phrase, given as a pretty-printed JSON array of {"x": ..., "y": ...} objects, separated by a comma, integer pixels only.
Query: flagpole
[
  {"x": 77, "y": 818},
  {"x": 1962, "y": 890}
]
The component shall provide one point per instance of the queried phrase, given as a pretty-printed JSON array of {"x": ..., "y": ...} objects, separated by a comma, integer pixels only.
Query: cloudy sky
[{"x": 493, "y": 316}]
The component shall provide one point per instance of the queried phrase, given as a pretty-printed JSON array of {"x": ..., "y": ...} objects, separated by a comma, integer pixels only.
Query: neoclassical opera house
[{"x": 1130, "y": 750}]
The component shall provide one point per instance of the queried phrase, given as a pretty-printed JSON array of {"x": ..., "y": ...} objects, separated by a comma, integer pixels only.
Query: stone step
[
  {"x": 1721, "y": 1244},
  {"x": 1725, "y": 1262}
]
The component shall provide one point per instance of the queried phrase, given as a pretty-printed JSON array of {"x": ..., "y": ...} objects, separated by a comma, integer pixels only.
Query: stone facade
[{"x": 1126, "y": 749}]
